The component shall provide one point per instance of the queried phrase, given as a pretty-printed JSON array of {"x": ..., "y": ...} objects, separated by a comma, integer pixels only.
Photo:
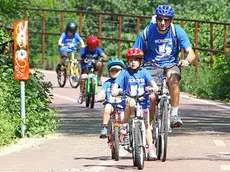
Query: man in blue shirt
[{"x": 162, "y": 41}]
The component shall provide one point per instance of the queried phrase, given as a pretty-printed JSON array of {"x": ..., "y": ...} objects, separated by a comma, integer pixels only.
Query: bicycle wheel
[
  {"x": 92, "y": 95},
  {"x": 62, "y": 76},
  {"x": 75, "y": 74},
  {"x": 139, "y": 149},
  {"x": 116, "y": 143},
  {"x": 158, "y": 139},
  {"x": 164, "y": 130},
  {"x": 87, "y": 95}
]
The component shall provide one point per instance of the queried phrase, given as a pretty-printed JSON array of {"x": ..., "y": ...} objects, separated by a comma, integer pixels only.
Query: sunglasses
[{"x": 165, "y": 19}]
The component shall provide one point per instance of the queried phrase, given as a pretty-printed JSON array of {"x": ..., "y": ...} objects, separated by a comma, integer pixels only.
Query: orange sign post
[
  {"x": 21, "y": 63},
  {"x": 21, "y": 49}
]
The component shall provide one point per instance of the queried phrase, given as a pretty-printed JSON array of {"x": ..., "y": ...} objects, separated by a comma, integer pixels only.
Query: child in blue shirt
[
  {"x": 115, "y": 65},
  {"x": 91, "y": 51},
  {"x": 134, "y": 80},
  {"x": 68, "y": 42}
]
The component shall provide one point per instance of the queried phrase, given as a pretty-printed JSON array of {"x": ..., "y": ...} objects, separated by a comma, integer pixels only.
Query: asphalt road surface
[{"x": 201, "y": 145}]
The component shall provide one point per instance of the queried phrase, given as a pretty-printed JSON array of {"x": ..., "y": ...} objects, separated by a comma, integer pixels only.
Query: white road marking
[
  {"x": 225, "y": 167},
  {"x": 207, "y": 102},
  {"x": 219, "y": 143},
  {"x": 225, "y": 155},
  {"x": 209, "y": 132},
  {"x": 66, "y": 98}
]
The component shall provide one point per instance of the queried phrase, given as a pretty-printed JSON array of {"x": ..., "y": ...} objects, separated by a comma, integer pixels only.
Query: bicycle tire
[
  {"x": 164, "y": 131},
  {"x": 139, "y": 151},
  {"x": 75, "y": 75},
  {"x": 62, "y": 76},
  {"x": 116, "y": 143},
  {"x": 158, "y": 141},
  {"x": 92, "y": 95}
]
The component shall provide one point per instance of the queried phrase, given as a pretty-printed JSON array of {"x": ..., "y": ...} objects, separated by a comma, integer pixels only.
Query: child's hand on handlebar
[{"x": 151, "y": 89}]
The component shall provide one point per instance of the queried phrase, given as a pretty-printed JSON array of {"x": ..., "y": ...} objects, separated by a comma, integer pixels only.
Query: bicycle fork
[{"x": 159, "y": 107}]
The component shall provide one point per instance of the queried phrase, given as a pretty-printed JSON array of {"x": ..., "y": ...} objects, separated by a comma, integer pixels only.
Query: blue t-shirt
[
  {"x": 68, "y": 40},
  {"x": 86, "y": 53},
  {"x": 134, "y": 83},
  {"x": 161, "y": 47},
  {"x": 107, "y": 87}
]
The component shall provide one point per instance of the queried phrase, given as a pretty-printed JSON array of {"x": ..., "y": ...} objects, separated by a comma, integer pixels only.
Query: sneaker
[
  {"x": 176, "y": 122},
  {"x": 124, "y": 128},
  {"x": 104, "y": 131},
  {"x": 126, "y": 140},
  {"x": 151, "y": 155},
  {"x": 75, "y": 78},
  {"x": 58, "y": 68},
  {"x": 99, "y": 82},
  {"x": 127, "y": 148},
  {"x": 80, "y": 99}
]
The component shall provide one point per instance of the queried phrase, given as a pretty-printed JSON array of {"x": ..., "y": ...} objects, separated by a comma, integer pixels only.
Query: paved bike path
[{"x": 201, "y": 145}]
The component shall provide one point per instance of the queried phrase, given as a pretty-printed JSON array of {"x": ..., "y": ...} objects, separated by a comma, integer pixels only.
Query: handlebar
[
  {"x": 90, "y": 60},
  {"x": 153, "y": 63},
  {"x": 137, "y": 97}
]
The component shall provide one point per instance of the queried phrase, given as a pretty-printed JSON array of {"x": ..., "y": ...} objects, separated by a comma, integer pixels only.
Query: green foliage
[
  {"x": 211, "y": 83},
  {"x": 40, "y": 119}
]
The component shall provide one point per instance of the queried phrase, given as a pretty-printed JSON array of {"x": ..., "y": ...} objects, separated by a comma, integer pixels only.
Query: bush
[
  {"x": 210, "y": 83},
  {"x": 40, "y": 119}
]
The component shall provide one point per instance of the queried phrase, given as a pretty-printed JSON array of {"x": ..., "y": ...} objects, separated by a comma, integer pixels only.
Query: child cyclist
[
  {"x": 115, "y": 65},
  {"x": 134, "y": 80},
  {"x": 68, "y": 41},
  {"x": 91, "y": 51}
]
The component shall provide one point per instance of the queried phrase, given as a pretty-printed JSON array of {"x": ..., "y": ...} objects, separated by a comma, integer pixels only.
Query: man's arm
[{"x": 190, "y": 57}]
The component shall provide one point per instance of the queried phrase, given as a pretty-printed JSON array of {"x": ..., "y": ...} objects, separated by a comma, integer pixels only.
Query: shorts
[
  {"x": 120, "y": 107},
  {"x": 84, "y": 68},
  {"x": 64, "y": 54},
  {"x": 157, "y": 73}
]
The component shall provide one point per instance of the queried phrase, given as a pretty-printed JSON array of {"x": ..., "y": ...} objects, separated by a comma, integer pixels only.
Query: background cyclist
[
  {"x": 67, "y": 41},
  {"x": 115, "y": 65},
  {"x": 134, "y": 80},
  {"x": 163, "y": 47},
  {"x": 91, "y": 51}
]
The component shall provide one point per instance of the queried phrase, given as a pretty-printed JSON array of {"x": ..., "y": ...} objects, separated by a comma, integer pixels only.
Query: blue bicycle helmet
[
  {"x": 116, "y": 63},
  {"x": 165, "y": 10}
]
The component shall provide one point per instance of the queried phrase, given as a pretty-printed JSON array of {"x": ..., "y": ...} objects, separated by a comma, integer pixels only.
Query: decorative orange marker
[{"x": 21, "y": 50}]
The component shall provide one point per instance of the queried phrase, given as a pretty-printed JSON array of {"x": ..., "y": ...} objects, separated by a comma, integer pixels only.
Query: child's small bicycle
[
  {"x": 91, "y": 86},
  {"x": 115, "y": 139},
  {"x": 70, "y": 69}
]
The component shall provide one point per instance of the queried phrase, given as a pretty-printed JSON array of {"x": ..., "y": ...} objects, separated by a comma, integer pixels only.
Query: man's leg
[{"x": 174, "y": 92}]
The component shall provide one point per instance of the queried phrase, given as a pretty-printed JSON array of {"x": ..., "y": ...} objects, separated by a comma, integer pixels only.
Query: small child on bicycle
[
  {"x": 68, "y": 41},
  {"x": 115, "y": 65},
  {"x": 134, "y": 80},
  {"x": 91, "y": 51}
]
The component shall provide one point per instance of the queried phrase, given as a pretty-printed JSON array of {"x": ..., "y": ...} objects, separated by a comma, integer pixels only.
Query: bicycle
[
  {"x": 161, "y": 122},
  {"x": 137, "y": 134},
  {"x": 70, "y": 69},
  {"x": 115, "y": 138},
  {"x": 91, "y": 85}
]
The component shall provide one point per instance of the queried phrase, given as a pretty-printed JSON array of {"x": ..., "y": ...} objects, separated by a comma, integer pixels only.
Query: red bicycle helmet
[
  {"x": 92, "y": 41},
  {"x": 135, "y": 52}
]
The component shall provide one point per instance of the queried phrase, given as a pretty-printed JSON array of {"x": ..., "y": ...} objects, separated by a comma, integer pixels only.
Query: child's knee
[{"x": 130, "y": 102}]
